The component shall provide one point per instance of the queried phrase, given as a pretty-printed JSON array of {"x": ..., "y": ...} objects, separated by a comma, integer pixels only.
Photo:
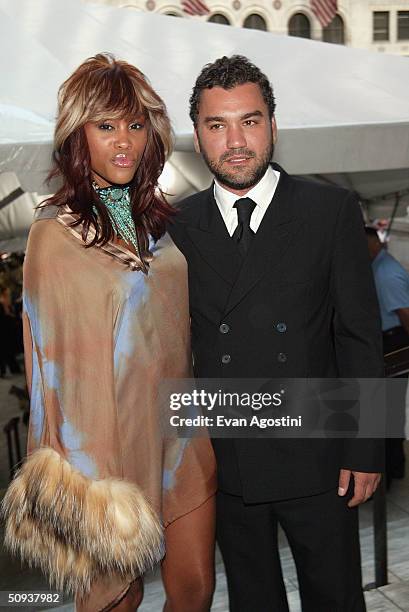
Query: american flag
[
  {"x": 324, "y": 10},
  {"x": 195, "y": 7}
]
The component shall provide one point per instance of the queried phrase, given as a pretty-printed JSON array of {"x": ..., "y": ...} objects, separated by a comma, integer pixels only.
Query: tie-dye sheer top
[{"x": 100, "y": 336}]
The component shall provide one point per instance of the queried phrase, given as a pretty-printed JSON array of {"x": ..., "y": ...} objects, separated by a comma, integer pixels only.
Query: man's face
[{"x": 235, "y": 135}]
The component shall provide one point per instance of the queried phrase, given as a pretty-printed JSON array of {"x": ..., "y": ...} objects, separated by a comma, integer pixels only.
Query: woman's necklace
[{"x": 117, "y": 201}]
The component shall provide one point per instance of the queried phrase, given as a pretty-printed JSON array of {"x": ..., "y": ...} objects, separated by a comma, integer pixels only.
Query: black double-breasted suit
[{"x": 301, "y": 304}]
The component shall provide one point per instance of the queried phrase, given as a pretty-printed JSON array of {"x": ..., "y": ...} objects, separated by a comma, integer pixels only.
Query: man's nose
[{"x": 235, "y": 137}]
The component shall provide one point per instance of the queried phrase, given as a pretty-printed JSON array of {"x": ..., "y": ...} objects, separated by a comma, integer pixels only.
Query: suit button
[
  {"x": 281, "y": 327},
  {"x": 282, "y": 357},
  {"x": 224, "y": 328},
  {"x": 226, "y": 359}
]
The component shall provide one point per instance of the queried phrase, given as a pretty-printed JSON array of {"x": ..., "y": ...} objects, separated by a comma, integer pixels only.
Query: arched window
[
  {"x": 334, "y": 32},
  {"x": 255, "y": 22},
  {"x": 219, "y": 18},
  {"x": 299, "y": 25}
]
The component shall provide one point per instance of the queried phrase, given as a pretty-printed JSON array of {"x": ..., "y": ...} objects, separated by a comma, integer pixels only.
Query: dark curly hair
[{"x": 227, "y": 72}]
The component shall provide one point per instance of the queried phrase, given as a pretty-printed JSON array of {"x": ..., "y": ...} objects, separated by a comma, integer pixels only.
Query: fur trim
[{"x": 75, "y": 528}]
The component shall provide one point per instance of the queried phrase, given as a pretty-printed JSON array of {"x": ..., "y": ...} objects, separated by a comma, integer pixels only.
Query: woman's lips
[{"x": 123, "y": 161}]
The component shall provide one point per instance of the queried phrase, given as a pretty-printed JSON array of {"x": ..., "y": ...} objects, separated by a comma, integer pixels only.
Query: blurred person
[
  {"x": 8, "y": 333},
  {"x": 105, "y": 320},
  {"x": 3, "y": 331},
  {"x": 15, "y": 282},
  {"x": 392, "y": 287}
]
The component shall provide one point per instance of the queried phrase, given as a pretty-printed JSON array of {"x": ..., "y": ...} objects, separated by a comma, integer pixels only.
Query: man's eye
[
  {"x": 216, "y": 126},
  {"x": 250, "y": 122}
]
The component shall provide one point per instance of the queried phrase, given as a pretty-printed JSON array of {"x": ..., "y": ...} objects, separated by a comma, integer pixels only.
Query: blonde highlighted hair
[{"x": 103, "y": 88}]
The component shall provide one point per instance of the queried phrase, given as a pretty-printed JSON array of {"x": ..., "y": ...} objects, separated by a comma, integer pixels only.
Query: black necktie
[{"x": 243, "y": 233}]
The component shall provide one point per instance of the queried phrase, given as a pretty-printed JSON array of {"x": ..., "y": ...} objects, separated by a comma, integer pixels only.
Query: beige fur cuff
[{"x": 76, "y": 529}]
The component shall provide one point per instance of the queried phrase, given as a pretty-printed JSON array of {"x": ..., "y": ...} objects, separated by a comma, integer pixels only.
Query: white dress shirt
[{"x": 261, "y": 194}]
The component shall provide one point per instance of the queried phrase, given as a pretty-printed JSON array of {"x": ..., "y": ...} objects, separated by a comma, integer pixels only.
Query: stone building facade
[{"x": 378, "y": 25}]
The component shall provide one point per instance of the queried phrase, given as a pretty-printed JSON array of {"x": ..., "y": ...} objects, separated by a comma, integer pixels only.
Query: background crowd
[{"x": 11, "y": 336}]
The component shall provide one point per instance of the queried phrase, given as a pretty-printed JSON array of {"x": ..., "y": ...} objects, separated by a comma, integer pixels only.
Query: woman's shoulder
[
  {"x": 46, "y": 211},
  {"x": 45, "y": 225},
  {"x": 48, "y": 237}
]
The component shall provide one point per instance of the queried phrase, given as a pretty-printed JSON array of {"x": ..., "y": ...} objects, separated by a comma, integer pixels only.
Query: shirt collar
[{"x": 261, "y": 193}]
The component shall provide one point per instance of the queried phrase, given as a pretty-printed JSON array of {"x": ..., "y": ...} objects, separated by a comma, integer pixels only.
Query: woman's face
[{"x": 116, "y": 148}]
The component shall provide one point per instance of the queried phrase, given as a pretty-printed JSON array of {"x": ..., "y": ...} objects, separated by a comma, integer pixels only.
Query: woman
[{"x": 106, "y": 319}]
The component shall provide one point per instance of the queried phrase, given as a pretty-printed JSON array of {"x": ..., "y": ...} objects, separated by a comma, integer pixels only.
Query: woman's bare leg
[
  {"x": 188, "y": 567},
  {"x": 132, "y": 600},
  {"x": 107, "y": 594}
]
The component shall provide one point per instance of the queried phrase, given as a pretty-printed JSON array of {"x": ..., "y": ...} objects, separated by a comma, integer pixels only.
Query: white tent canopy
[{"x": 339, "y": 110}]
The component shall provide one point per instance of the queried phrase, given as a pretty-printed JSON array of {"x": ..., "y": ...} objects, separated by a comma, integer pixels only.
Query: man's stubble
[{"x": 239, "y": 182}]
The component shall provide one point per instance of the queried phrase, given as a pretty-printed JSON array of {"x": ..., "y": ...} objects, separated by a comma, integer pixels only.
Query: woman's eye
[
  {"x": 137, "y": 126},
  {"x": 105, "y": 126}
]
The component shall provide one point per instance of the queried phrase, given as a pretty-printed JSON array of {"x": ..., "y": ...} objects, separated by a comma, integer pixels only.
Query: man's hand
[{"x": 365, "y": 485}]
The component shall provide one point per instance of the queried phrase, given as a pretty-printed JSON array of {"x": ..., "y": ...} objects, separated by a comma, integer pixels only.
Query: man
[
  {"x": 392, "y": 288},
  {"x": 280, "y": 286}
]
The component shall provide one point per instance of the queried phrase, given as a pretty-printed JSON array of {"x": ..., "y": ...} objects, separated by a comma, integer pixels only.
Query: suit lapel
[
  {"x": 212, "y": 240},
  {"x": 270, "y": 243}
]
